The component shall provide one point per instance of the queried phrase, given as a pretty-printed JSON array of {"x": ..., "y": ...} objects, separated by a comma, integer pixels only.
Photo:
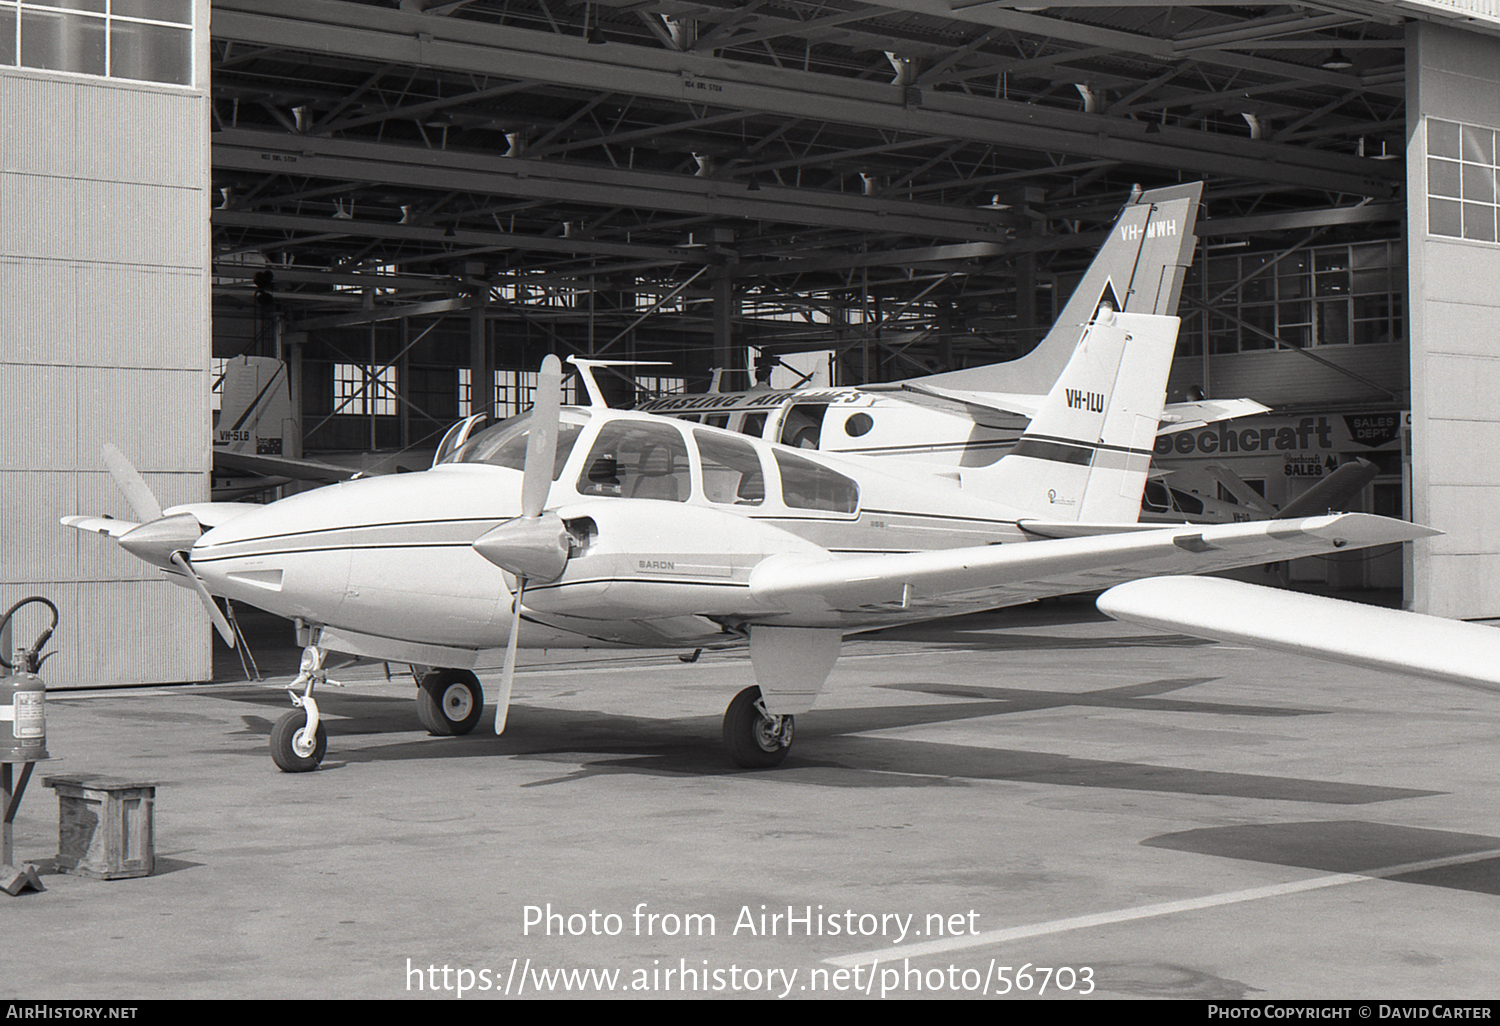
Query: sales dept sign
[{"x": 1373, "y": 429}]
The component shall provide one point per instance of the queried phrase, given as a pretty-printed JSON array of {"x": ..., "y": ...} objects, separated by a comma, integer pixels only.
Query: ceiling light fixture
[{"x": 1336, "y": 61}]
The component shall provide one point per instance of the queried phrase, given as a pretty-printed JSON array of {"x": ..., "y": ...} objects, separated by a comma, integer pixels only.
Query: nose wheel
[
  {"x": 293, "y": 748},
  {"x": 754, "y": 738},
  {"x": 299, "y": 740}
]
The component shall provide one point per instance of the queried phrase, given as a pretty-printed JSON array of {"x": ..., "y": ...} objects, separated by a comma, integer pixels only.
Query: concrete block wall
[{"x": 104, "y": 337}]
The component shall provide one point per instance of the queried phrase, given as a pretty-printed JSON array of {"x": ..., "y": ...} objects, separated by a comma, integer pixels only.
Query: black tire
[
  {"x": 449, "y": 702},
  {"x": 283, "y": 737},
  {"x": 751, "y": 738}
]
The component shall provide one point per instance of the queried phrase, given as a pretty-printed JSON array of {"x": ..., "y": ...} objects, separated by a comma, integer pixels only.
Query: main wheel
[
  {"x": 754, "y": 738},
  {"x": 449, "y": 702},
  {"x": 289, "y": 747}
]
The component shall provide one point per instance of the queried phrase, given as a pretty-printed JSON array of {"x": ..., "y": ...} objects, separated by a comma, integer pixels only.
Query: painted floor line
[{"x": 960, "y": 943}]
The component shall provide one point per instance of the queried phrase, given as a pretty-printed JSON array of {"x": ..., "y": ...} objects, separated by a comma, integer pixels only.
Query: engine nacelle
[{"x": 642, "y": 559}]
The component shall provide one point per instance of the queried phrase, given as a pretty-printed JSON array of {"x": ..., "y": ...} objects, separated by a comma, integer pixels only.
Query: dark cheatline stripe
[{"x": 1056, "y": 452}]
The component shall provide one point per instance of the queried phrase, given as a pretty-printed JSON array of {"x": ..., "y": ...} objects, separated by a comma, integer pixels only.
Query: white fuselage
[
  {"x": 391, "y": 558},
  {"x": 852, "y": 422}
]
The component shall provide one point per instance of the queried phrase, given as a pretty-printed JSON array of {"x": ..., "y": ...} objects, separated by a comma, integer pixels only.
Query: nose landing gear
[{"x": 299, "y": 740}]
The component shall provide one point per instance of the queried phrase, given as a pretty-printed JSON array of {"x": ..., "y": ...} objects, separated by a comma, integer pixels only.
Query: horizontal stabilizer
[
  {"x": 1190, "y": 415},
  {"x": 996, "y": 409},
  {"x": 229, "y": 462},
  {"x": 1333, "y": 492},
  {"x": 1311, "y": 625},
  {"x": 100, "y": 525}
]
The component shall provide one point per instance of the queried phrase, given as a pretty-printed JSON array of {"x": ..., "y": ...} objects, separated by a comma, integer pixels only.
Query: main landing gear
[
  {"x": 449, "y": 702},
  {"x": 754, "y": 738}
]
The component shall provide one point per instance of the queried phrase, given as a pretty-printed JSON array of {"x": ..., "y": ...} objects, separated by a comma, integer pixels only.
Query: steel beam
[
  {"x": 353, "y": 160},
  {"x": 393, "y": 36}
]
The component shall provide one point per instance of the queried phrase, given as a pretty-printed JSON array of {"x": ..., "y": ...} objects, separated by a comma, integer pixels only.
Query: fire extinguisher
[{"x": 23, "y": 696}]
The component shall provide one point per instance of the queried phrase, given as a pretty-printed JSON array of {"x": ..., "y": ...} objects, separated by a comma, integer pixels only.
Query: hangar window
[
  {"x": 515, "y": 391},
  {"x": 360, "y": 390},
  {"x": 144, "y": 40},
  {"x": 654, "y": 386},
  {"x": 1324, "y": 296},
  {"x": 1461, "y": 172}
]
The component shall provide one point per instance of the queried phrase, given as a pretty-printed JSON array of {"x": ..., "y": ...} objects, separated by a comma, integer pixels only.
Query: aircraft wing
[
  {"x": 228, "y": 462},
  {"x": 1311, "y": 625},
  {"x": 918, "y": 585}
]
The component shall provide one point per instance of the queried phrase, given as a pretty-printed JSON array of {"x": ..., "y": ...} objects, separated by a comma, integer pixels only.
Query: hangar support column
[{"x": 1453, "y": 116}]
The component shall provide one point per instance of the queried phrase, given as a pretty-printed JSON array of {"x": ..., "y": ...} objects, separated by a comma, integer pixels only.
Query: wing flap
[{"x": 988, "y": 576}]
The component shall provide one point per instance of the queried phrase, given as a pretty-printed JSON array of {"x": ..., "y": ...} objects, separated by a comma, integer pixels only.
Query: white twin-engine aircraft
[{"x": 571, "y": 526}]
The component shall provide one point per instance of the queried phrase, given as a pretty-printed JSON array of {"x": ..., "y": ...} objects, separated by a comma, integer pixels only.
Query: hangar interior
[{"x": 411, "y": 202}]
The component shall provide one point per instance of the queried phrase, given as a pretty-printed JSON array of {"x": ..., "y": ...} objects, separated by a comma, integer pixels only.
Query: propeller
[
  {"x": 535, "y": 544},
  {"x": 161, "y": 540},
  {"x": 137, "y": 493}
]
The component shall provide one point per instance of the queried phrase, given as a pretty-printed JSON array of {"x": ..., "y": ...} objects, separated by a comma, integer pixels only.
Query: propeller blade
[
  {"x": 131, "y": 484},
  {"x": 541, "y": 439},
  {"x": 508, "y": 673},
  {"x": 536, "y": 482},
  {"x": 221, "y": 624}
]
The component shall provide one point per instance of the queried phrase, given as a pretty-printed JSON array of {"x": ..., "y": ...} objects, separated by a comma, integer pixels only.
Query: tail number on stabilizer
[
  {"x": 1091, "y": 401},
  {"x": 1154, "y": 230}
]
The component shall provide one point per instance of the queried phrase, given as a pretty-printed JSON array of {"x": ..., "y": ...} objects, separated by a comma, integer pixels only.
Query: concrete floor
[{"x": 1145, "y": 816}]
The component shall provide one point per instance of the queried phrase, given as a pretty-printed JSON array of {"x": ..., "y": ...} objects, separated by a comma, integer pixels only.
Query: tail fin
[
  {"x": 255, "y": 414},
  {"x": 1085, "y": 455},
  {"x": 1139, "y": 269}
]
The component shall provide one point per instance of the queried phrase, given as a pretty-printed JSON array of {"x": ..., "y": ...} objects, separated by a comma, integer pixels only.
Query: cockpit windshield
[{"x": 504, "y": 445}]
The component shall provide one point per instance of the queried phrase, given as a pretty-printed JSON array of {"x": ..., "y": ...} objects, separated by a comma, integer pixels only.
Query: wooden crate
[{"x": 105, "y": 827}]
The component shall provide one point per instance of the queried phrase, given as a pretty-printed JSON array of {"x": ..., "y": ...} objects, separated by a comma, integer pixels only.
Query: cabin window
[
  {"x": 803, "y": 425},
  {"x": 1186, "y": 502},
  {"x": 731, "y": 470},
  {"x": 637, "y": 460},
  {"x": 1156, "y": 499},
  {"x": 858, "y": 425},
  {"x": 807, "y": 485},
  {"x": 753, "y": 425}
]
